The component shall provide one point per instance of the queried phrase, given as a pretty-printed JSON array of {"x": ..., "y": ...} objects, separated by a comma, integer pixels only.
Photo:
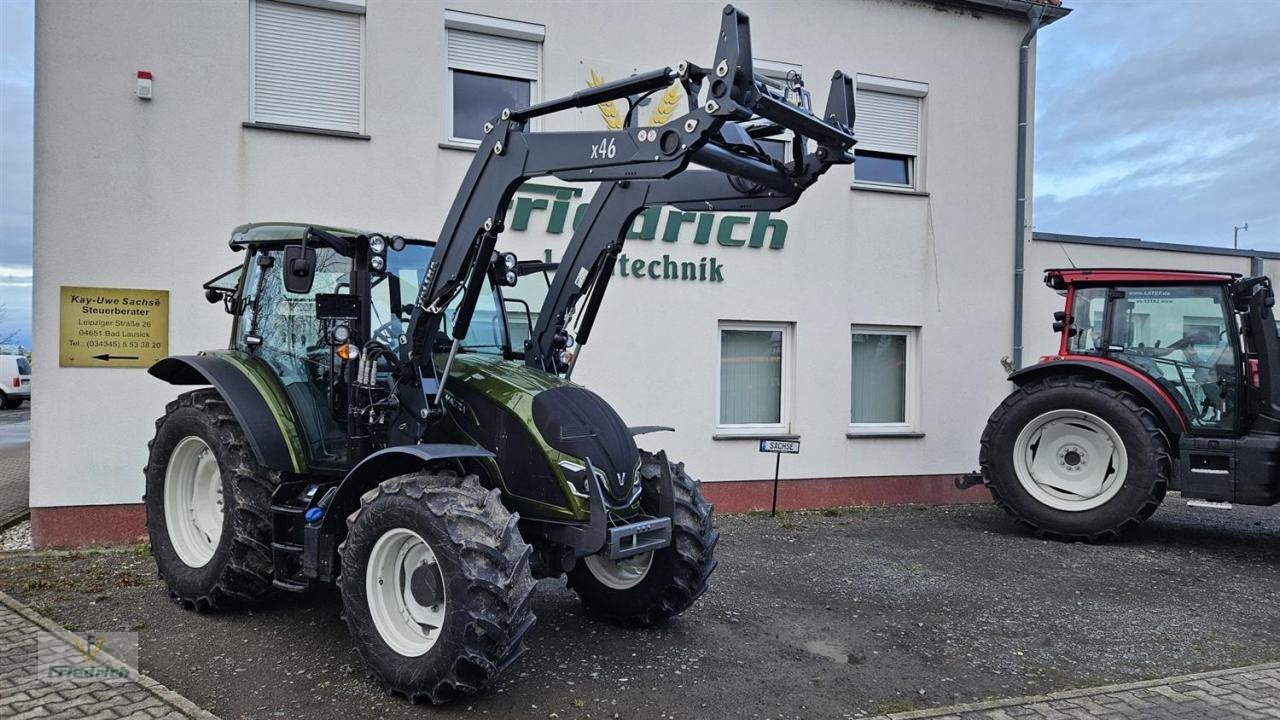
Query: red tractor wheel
[{"x": 1075, "y": 458}]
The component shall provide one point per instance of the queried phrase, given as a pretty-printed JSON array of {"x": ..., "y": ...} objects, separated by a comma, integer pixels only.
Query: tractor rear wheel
[
  {"x": 1074, "y": 458},
  {"x": 208, "y": 505},
  {"x": 653, "y": 587},
  {"x": 435, "y": 585}
]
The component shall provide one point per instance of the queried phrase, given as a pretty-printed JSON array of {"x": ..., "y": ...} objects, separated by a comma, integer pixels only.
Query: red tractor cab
[{"x": 1163, "y": 380}]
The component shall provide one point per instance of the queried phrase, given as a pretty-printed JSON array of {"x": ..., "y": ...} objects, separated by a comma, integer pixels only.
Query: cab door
[{"x": 280, "y": 328}]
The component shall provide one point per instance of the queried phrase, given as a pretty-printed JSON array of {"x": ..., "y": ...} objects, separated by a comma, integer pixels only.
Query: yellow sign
[{"x": 113, "y": 327}]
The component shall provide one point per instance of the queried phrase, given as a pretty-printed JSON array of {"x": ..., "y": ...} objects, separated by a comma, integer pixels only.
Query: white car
[{"x": 15, "y": 381}]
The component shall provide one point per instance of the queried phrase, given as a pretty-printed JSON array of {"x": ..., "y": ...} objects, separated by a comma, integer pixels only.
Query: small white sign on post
[
  {"x": 778, "y": 447},
  {"x": 791, "y": 447}
]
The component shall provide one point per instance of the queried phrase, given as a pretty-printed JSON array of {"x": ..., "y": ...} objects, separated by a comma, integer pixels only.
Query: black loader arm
[
  {"x": 512, "y": 153},
  {"x": 588, "y": 261}
]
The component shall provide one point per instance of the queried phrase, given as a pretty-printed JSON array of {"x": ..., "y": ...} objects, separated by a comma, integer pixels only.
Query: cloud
[{"x": 1161, "y": 124}]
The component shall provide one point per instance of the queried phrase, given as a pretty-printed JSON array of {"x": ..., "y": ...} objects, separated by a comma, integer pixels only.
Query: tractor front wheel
[
  {"x": 435, "y": 585},
  {"x": 208, "y": 506},
  {"x": 1075, "y": 458},
  {"x": 653, "y": 587}
]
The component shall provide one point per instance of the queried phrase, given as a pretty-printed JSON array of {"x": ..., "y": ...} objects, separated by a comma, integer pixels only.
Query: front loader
[{"x": 374, "y": 425}]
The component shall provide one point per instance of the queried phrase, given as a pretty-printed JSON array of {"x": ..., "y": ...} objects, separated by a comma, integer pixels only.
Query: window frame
[
  {"x": 500, "y": 27},
  {"x": 911, "y": 383},
  {"x": 785, "y": 392},
  {"x": 915, "y": 163},
  {"x": 349, "y": 7}
]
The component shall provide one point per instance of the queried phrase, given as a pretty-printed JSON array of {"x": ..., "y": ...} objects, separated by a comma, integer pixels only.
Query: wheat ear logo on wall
[{"x": 661, "y": 113}]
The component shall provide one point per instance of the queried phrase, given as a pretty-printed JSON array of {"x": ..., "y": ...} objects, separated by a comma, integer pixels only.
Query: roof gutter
[{"x": 1034, "y": 15}]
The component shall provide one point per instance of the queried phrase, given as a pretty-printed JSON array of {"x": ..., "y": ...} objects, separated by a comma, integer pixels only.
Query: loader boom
[{"x": 512, "y": 153}]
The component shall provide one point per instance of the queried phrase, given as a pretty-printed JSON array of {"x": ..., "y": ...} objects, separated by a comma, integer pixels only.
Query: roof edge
[
  {"x": 1020, "y": 8},
  {"x": 1139, "y": 244}
]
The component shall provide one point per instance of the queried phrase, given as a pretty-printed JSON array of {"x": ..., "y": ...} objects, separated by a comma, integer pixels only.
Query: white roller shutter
[
  {"x": 494, "y": 54},
  {"x": 887, "y": 122},
  {"x": 307, "y": 67}
]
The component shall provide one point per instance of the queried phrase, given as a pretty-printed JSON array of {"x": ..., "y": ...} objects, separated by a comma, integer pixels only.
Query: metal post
[
  {"x": 1235, "y": 235},
  {"x": 777, "y": 464}
]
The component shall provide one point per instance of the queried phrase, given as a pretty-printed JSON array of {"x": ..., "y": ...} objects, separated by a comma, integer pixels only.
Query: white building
[{"x": 873, "y": 315}]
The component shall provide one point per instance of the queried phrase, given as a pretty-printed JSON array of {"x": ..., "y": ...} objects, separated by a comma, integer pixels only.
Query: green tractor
[{"x": 387, "y": 420}]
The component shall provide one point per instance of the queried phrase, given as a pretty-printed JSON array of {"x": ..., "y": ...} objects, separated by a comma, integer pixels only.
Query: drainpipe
[
  {"x": 1255, "y": 266},
  {"x": 1020, "y": 205}
]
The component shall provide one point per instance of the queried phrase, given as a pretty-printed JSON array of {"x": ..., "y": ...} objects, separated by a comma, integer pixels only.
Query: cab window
[
  {"x": 392, "y": 292},
  {"x": 1087, "y": 318},
  {"x": 1181, "y": 337},
  {"x": 487, "y": 333}
]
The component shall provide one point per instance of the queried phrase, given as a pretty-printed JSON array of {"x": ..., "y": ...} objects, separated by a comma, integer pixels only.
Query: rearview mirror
[{"x": 299, "y": 269}]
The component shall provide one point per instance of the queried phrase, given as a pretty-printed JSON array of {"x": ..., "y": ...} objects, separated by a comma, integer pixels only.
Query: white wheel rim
[
  {"x": 620, "y": 574},
  {"x": 193, "y": 501},
  {"x": 407, "y": 627},
  {"x": 1070, "y": 460}
]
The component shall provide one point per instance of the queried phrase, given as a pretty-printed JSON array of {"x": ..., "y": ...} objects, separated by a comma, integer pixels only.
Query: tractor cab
[
  {"x": 1179, "y": 329},
  {"x": 1163, "y": 380},
  {"x": 303, "y": 320}
]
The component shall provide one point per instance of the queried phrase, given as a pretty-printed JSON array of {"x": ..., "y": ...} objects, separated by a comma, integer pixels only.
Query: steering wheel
[{"x": 388, "y": 333}]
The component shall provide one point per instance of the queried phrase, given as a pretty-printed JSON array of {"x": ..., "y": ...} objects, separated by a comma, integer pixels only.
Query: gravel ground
[
  {"x": 822, "y": 615},
  {"x": 17, "y": 537}
]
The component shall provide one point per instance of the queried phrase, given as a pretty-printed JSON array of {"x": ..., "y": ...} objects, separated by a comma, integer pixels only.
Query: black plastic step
[
  {"x": 288, "y": 548},
  {"x": 289, "y": 509},
  {"x": 290, "y": 585}
]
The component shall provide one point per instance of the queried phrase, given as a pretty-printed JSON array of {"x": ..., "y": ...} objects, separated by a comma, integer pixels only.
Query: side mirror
[{"x": 299, "y": 269}]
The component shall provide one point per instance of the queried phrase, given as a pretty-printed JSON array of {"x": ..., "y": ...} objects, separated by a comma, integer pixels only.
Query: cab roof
[
  {"x": 280, "y": 232},
  {"x": 1059, "y": 278}
]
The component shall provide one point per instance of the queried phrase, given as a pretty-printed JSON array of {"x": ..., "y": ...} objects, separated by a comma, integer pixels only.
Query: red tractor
[{"x": 1164, "y": 380}]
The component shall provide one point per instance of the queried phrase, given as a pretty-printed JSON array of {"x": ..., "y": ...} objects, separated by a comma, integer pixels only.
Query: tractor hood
[{"x": 564, "y": 417}]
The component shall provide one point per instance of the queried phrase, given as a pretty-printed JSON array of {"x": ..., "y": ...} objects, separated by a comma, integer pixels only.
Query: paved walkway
[
  {"x": 1250, "y": 692},
  {"x": 14, "y": 491},
  {"x": 15, "y": 439},
  {"x": 26, "y": 638}
]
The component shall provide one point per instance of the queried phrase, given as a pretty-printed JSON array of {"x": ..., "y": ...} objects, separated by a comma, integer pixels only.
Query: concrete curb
[
  {"x": 161, "y": 692},
  {"x": 1071, "y": 694}
]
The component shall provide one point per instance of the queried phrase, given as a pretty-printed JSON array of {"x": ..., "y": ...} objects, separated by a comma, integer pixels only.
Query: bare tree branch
[{"x": 10, "y": 336}]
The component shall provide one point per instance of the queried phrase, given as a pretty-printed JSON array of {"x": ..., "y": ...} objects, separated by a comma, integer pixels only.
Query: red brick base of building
[{"x": 86, "y": 525}]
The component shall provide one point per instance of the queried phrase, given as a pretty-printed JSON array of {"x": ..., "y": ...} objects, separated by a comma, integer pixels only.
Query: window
[
  {"x": 306, "y": 65},
  {"x": 1181, "y": 337},
  {"x": 1087, "y": 320},
  {"x": 888, "y": 129},
  {"x": 883, "y": 380},
  {"x": 754, "y": 378},
  {"x": 493, "y": 64},
  {"x": 391, "y": 293}
]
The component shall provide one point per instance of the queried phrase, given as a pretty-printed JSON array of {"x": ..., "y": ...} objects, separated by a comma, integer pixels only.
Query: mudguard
[
  {"x": 265, "y": 416},
  {"x": 384, "y": 464},
  {"x": 1155, "y": 397}
]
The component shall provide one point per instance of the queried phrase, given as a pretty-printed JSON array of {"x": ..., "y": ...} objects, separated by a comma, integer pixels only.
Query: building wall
[{"x": 144, "y": 194}]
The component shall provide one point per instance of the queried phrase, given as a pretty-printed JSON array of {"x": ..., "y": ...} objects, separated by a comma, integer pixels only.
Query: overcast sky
[
  {"x": 16, "y": 64},
  {"x": 1158, "y": 120}
]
